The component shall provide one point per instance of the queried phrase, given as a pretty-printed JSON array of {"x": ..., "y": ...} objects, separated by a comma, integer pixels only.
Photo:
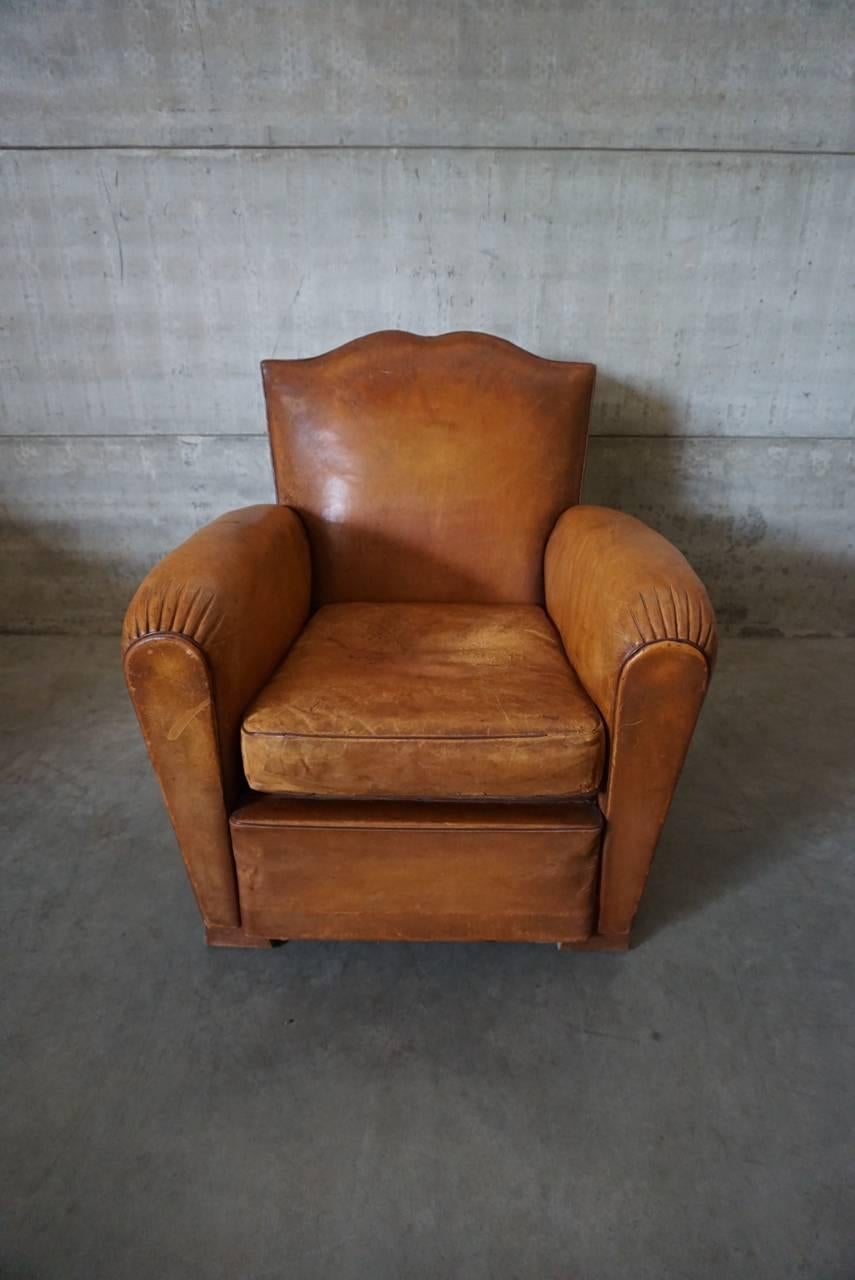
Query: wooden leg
[
  {"x": 599, "y": 942},
  {"x": 218, "y": 935}
]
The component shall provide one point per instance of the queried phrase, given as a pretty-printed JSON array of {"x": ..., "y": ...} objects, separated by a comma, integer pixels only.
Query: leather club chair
[{"x": 425, "y": 695}]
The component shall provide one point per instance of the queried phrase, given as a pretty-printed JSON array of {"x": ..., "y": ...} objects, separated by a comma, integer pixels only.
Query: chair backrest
[{"x": 428, "y": 468}]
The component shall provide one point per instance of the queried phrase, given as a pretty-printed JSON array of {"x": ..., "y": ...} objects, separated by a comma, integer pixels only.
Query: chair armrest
[
  {"x": 638, "y": 627},
  {"x": 204, "y": 631},
  {"x": 614, "y": 585}
]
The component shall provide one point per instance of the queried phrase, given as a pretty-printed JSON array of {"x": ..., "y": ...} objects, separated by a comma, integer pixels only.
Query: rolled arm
[
  {"x": 614, "y": 585},
  {"x": 204, "y": 631},
  {"x": 638, "y": 627}
]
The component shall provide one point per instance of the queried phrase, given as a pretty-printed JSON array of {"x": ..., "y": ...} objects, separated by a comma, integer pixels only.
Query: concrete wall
[{"x": 666, "y": 189}]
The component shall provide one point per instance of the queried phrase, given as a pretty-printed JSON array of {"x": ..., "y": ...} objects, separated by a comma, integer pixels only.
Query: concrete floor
[{"x": 373, "y": 1111}]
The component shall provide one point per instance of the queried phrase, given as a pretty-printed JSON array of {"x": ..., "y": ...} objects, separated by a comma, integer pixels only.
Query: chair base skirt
[
  {"x": 218, "y": 936},
  {"x": 416, "y": 872}
]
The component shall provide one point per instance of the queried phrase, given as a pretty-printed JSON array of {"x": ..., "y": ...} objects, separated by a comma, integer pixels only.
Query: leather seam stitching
[
  {"x": 171, "y": 635},
  {"x": 422, "y": 737},
  {"x": 648, "y": 644},
  {"x": 215, "y": 722},
  {"x": 432, "y": 829},
  {"x": 690, "y": 644}
]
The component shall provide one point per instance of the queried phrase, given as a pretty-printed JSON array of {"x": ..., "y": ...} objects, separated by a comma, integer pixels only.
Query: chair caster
[{"x": 598, "y": 942}]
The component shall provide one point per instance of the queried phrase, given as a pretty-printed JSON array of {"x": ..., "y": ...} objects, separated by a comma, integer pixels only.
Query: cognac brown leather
[
  {"x": 614, "y": 585},
  {"x": 428, "y": 468},
  {"x": 639, "y": 630},
  {"x": 201, "y": 635},
  {"x": 425, "y": 701},
  {"x": 310, "y": 869},
  {"x": 421, "y": 484},
  {"x": 659, "y": 697}
]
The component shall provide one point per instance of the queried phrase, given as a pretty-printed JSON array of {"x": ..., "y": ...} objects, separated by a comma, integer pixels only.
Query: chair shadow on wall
[
  {"x": 744, "y": 803},
  {"x": 52, "y": 589}
]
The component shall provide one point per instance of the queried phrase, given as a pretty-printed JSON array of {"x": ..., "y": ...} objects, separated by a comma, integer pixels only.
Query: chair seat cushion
[{"x": 425, "y": 701}]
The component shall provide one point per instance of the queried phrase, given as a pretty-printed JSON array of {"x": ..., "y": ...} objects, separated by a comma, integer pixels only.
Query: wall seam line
[
  {"x": 262, "y": 435},
  {"x": 202, "y": 148}
]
